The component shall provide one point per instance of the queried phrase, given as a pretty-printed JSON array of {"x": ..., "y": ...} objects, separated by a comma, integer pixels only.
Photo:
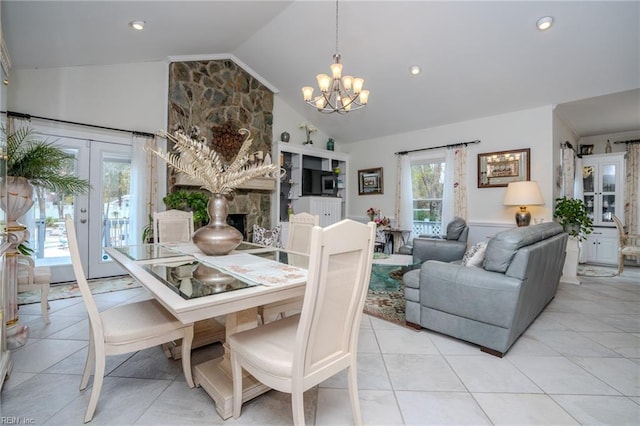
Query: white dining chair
[
  {"x": 298, "y": 240},
  {"x": 32, "y": 277},
  {"x": 123, "y": 329},
  {"x": 296, "y": 353},
  {"x": 175, "y": 226}
]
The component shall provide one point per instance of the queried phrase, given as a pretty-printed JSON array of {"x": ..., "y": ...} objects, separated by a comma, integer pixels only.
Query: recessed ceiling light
[
  {"x": 415, "y": 69},
  {"x": 544, "y": 23},
  {"x": 137, "y": 25}
]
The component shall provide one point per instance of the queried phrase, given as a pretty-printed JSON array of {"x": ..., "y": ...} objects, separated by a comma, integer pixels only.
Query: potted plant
[
  {"x": 572, "y": 214},
  {"x": 33, "y": 162}
]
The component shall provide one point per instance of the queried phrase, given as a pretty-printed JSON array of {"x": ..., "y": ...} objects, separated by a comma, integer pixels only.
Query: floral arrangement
[
  {"x": 194, "y": 158},
  {"x": 308, "y": 130},
  {"x": 382, "y": 222},
  {"x": 372, "y": 213}
]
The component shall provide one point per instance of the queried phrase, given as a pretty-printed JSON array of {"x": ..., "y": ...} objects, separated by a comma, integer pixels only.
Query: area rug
[
  {"x": 385, "y": 298},
  {"x": 66, "y": 291},
  {"x": 597, "y": 271}
]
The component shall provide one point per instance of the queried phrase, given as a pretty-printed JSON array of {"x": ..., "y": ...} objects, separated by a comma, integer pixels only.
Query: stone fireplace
[
  {"x": 215, "y": 93},
  {"x": 239, "y": 221}
]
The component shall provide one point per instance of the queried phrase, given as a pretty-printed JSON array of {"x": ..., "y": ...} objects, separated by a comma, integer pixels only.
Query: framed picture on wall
[
  {"x": 496, "y": 169},
  {"x": 370, "y": 181}
]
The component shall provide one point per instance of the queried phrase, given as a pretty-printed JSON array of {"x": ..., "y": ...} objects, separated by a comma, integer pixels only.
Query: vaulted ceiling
[{"x": 478, "y": 58}]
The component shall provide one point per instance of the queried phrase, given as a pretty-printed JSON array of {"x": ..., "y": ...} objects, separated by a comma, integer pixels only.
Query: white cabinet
[
  {"x": 601, "y": 246},
  {"x": 328, "y": 208},
  {"x": 603, "y": 185}
]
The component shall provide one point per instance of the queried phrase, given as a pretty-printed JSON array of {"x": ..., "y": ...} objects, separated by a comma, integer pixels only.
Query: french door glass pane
[
  {"x": 116, "y": 197},
  {"x": 49, "y": 237}
]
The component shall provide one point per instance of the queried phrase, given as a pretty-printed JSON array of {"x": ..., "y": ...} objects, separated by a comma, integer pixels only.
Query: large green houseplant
[
  {"x": 572, "y": 214},
  {"x": 33, "y": 162}
]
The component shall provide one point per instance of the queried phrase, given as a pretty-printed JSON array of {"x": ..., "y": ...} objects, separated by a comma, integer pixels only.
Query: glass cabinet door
[{"x": 608, "y": 193}]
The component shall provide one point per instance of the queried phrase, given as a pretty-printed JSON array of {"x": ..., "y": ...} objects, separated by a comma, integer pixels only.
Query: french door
[{"x": 102, "y": 217}]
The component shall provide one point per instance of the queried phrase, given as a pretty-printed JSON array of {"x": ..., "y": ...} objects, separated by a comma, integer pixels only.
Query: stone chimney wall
[{"x": 211, "y": 93}]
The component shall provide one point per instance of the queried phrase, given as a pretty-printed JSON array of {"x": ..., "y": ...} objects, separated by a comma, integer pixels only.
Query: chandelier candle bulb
[
  {"x": 346, "y": 82},
  {"x": 358, "y": 83},
  {"x": 336, "y": 70},
  {"x": 307, "y": 93}
]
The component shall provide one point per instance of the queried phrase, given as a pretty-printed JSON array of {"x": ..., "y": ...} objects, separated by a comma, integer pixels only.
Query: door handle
[
  {"x": 83, "y": 220},
  {"x": 83, "y": 210}
]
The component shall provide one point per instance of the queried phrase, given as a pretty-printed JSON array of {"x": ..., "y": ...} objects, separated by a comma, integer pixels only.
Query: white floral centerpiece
[
  {"x": 198, "y": 161},
  {"x": 201, "y": 163}
]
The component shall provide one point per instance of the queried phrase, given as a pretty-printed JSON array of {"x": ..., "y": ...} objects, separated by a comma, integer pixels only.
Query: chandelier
[{"x": 339, "y": 93}]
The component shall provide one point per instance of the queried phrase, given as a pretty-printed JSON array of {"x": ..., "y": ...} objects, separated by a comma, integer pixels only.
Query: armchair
[{"x": 449, "y": 248}]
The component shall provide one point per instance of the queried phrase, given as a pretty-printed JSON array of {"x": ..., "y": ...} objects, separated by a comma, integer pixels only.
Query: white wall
[
  {"x": 127, "y": 96},
  {"x": 599, "y": 142},
  {"x": 286, "y": 118},
  {"x": 522, "y": 129}
]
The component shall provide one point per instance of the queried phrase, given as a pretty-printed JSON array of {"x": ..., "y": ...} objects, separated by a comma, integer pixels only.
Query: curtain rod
[
  {"x": 28, "y": 117},
  {"x": 438, "y": 147},
  {"x": 631, "y": 141}
]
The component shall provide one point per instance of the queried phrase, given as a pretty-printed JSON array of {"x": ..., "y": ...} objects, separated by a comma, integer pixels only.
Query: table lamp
[{"x": 523, "y": 194}]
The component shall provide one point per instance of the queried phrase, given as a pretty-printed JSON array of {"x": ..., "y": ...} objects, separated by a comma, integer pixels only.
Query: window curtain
[
  {"x": 448, "y": 195},
  {"x": 568, "y": 158},
  {"x": 404, "y": 196},
  {"x": 631, "y": 187},
  {"x": 144, "y": 185},
  {"x": 460, "y": 182}
]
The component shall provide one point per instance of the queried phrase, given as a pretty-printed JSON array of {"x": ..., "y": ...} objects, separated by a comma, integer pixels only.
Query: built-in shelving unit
[{"x": 294, "y": 159}]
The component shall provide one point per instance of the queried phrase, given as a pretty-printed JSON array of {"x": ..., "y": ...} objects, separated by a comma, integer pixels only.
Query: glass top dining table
[
  {"x": 191, "y": 274},
  {"x": 196, "y": 287}
]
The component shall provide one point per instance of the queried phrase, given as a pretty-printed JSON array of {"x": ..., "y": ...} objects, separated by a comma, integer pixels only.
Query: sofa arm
[
  {"x": 469, "y": 292},
  {"x": 437, "y": 249}
]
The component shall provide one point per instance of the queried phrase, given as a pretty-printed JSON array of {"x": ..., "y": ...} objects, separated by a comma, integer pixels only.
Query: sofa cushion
[
  {"x": 475, "y": 255},
  {"x": 503, "y": 246},
  {"x": 455, "y": 228}
]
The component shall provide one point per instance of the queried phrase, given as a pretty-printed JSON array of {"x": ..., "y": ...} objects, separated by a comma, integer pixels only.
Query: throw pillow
[
  {"x": 267, "y": 237},
  {"x": 475, "y": 255}
]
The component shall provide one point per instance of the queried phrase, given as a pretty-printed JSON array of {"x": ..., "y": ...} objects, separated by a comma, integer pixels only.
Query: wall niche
[{"x": 215, "y": 94}]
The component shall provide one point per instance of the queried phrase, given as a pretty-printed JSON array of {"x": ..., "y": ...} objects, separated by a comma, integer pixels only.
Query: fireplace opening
[{"x": 238, "y": 221}]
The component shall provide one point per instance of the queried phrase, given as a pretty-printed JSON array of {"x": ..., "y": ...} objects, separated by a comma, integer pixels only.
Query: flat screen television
[{"x": 317, "y": 182}]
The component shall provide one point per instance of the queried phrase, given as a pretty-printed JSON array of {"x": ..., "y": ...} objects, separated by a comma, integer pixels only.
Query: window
[{"x": 427, "y": 182}]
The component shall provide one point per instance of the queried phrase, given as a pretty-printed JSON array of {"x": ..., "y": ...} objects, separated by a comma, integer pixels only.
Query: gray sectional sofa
[{"x": 493, "y": 305}]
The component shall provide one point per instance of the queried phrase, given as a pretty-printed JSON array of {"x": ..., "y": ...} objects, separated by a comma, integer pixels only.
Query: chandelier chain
[{"x": 337, "y": 51}]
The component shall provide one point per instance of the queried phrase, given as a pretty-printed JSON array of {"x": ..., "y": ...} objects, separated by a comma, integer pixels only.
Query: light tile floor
[{"x": 578, "y": 363}]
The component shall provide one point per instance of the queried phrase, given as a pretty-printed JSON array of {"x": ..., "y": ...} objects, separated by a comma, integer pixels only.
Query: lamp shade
[{"x": 524, "y": 193}]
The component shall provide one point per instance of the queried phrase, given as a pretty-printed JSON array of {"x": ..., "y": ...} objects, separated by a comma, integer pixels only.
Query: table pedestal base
[{"x": 210, "y": 376}]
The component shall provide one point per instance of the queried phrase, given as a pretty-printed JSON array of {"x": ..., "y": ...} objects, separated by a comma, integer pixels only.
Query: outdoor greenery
[
  {"x": 572, "y": 214},
  {"x": 427, "y": 181}
]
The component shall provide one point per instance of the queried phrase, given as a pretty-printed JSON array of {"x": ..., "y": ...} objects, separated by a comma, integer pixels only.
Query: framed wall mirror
[
  {"x": 370, "y": 181},
  {"x": 496, "y": 169}
]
